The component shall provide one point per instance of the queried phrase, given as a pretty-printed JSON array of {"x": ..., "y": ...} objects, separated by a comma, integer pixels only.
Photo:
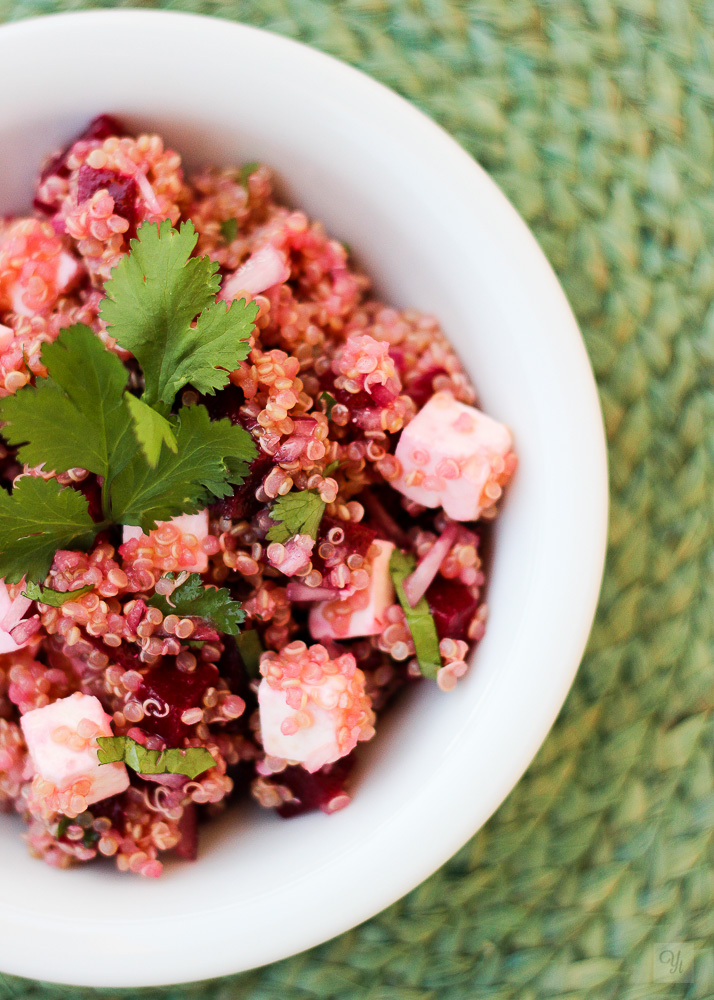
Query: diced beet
[
  {"x": 180, "y": 691},
  {"x": 325, "y": 789},
  {"x": 232, "y": 669},
  {"x": 9, "y": 465},
  {"x": 358, "y": 536},
  {"x": 92, "y": 492},
  {"x": 398, "y": 357},
  {"x": 422, "y": 388},
  {"x": 122, "y": 189},
  {"x": 187, "y": 847},
  {"x": 113, "y": 809},
  {"x": 386, "y": 523},
  {"x": 362, "y": 400},
  {"x": 122, "y": 655},
  {"x": 453, "y": 607},
  {"x": 99, "y": 128},
  {"x": 226, "y": 403},
  {"x": 243, "y": 504}
]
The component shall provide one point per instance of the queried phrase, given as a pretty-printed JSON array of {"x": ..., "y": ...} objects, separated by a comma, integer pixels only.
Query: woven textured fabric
[{"x": 595, "y": 116}]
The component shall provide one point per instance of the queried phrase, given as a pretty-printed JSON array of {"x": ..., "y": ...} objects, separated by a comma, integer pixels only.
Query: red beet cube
[
  {"x": 422, "y": 388},
  {"x": 119, "y": 186},
  {"x": 325, "y": 789},
  {"x": 453, "y": 607},
  {"x": 176, "y": 691}
]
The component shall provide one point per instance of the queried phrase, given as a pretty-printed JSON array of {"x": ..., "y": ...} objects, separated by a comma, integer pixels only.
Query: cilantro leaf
[
  {"x": 211, "y": 454},
  {"x": 332, "y": 467},
  {"x": 53, "y": 598},
  {"x": 246, "y": 170},
  {"x": 154, "y": 295},
  {"x": 192, "y": 600},
  {"x": 251, "y": 649},
  {"x": 76, "y": 417},
  {"x": 36, "y": 519},
  {"x": 329, "y": 401},
  {"x": 296, "y": 513},
  {"x": 229, "y": 230},
  {"x": 151, "y": 429},
  {"x": 419, "y": 618},
  {"x": 192, "y": 761}
]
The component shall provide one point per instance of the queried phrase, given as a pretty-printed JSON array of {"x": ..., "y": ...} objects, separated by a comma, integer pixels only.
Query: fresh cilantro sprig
[
  {"x": 211, "y": 454},
  {"x": 77, "y": 417},
  {"x": 192, "y": 600},
  {"x": 329, "y": 400},
  {"x": 191, "y": 762},
  {"x": 161, "y": 305},
  {"x": 419, "y": 618},
  {"x": 251, "y": 649},
  {"x": 229, "y": 230},
  {"x": 36, "y": 519},
  {"x": 153, "y": 464},
  {"x": 297, "y": 513},
  {"x": 53, "y": 598}
]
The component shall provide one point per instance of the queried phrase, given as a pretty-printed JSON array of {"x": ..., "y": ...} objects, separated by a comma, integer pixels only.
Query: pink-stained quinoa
[{"x": 332, "y": 378}]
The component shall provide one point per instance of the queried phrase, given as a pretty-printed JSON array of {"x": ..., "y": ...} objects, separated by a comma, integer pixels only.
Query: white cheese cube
[
  {"x": 62, "y": 749},
  {"x": 448, "y": 454},
  {"x": 361, "y": 614}
]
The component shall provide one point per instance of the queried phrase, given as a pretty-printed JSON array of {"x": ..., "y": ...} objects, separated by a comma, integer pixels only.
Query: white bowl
[{"x": 435, "y": 233}]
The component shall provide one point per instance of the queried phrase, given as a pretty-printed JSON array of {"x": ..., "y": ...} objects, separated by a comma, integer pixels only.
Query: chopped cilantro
[
  {"x": 84, "y": 390},
  {"x": 64, "y": 822},
  {"x": 191, "y": 762},
  {"x": 419, "y": 618},
  {"x": 229, "y": 230},
  {"x": 296, "y": 513},
  {"x": 152, "y": 429},
  {"x": 211, "y": 454},
  {"x": 246, "y": 170},
  {"x": 160, "y": 305},
  {"x": 53, "y": 598},
  {"x": 36, "y": 519},
  {"x": 192, "y": 600},
  {"x": 332, "y": 467},
  {"x": 90, "y": 837},
  {"x": 251, "y": 649},
  {"x": 329, "y": 402}
]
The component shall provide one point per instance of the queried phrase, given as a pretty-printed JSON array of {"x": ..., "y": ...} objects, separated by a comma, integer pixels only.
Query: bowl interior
[{"x": 434, "y": 233}]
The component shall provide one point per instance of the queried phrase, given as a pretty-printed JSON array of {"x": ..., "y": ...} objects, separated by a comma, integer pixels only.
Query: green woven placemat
[{"x": 595, "y": 116}]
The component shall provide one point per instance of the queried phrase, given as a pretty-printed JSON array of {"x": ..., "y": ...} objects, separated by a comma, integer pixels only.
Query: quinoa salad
[{"x": 244, "y": 504}]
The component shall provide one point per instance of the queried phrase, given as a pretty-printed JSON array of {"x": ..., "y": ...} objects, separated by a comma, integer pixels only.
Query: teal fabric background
[{"x": 595, "y": 116}]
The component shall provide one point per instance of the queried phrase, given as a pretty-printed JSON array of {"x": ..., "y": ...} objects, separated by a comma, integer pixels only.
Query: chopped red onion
[
  {"x": 417, "y": 584},
  {"x": 263, "y": 269},
  {"x": 297, "y": 591},
  {"x": 14, "y": 613},
  {"x": 25, "y": 630}
]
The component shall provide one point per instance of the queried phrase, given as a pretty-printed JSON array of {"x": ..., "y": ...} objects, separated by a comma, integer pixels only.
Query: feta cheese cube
[
  {"x": 450, "y": 454},
  {"x": 313, "y": 709},
  {"x": 316, "y": 741},
  {"x": 61, "y": 742},
  {"x": 363, "y": 612}
]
